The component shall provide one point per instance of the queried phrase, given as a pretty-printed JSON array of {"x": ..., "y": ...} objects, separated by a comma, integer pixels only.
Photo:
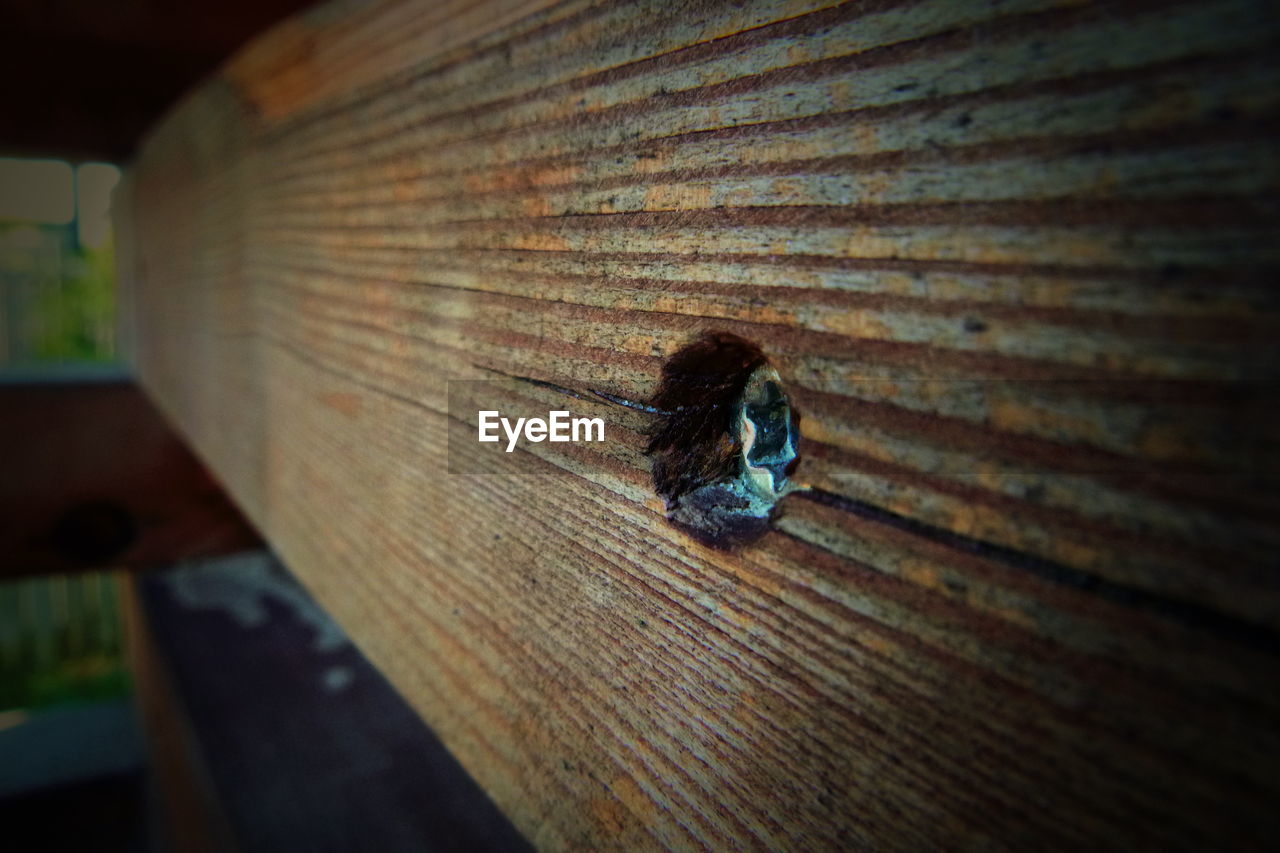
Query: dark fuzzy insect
[{"x": 726, "y": 443}]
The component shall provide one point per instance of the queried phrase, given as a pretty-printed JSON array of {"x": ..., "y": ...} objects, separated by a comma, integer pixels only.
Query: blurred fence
[{"x": 60, "y": 640}]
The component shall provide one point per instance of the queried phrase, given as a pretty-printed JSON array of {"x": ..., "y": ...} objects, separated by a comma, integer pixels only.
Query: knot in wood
[{"x": 727, "y": 442}]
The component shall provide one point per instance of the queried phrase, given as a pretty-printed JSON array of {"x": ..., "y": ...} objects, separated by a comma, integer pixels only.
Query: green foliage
[
  {"x": 61, "y": 641},
  {"x": 88, "y": 679},
  {"x": 57, "y": 300},
  {"x": 77, "y": 319}
]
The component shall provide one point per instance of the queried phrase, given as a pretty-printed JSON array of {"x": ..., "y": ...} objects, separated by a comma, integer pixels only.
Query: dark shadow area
[
  {"x": 90, "y": 78},
  {"x": 105, "y": 815},
  {"x": 307, "y": 746}
]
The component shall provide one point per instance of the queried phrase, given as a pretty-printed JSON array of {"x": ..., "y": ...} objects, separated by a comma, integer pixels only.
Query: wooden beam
[{"x": 1015, "y": 262}]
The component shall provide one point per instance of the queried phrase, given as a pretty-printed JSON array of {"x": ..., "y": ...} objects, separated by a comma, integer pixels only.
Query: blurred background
[
  {"x": 57, "y": 260},
  {"x": 164, "y": 683}
]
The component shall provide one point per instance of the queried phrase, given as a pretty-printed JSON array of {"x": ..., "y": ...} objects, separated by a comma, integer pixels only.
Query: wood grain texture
[{"x": 1016, "y": 261}]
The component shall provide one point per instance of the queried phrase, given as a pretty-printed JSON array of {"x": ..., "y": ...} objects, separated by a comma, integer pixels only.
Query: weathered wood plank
[{"x": 1016, "y": 262}]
